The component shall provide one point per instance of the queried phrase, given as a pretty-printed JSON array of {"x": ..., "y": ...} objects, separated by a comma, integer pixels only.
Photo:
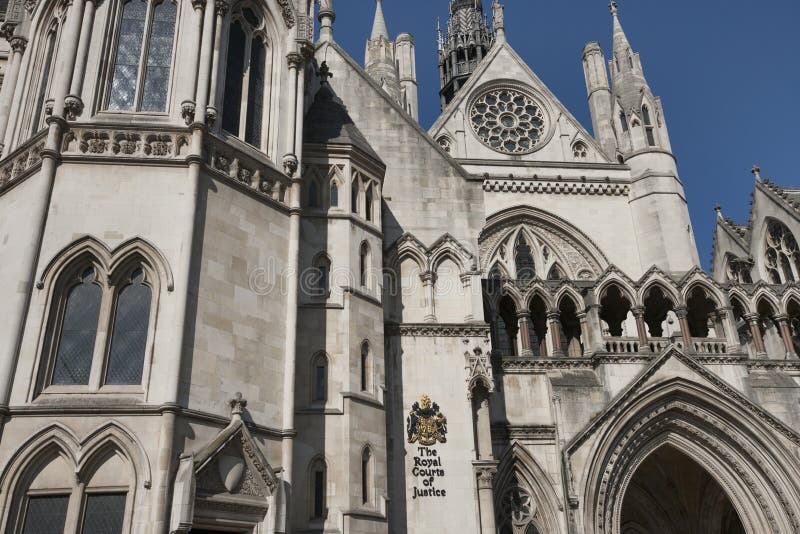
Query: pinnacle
[{"x": 379, "y": 28}]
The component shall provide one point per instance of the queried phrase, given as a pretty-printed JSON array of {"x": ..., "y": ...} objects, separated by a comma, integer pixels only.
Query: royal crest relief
[{"x": 426, "y": 424}]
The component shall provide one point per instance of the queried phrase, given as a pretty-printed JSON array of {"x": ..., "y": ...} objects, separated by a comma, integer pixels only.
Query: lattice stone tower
[{"x": 467, "y": 39}]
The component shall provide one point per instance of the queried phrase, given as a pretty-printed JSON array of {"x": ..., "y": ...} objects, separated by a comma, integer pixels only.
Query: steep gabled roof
[
  {"x": 480, "y": 77},
  {"x": 328, "y": 123}
]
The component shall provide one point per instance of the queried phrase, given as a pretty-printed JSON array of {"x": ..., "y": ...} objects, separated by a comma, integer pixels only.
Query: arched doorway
[{"x": 670, "y": 493}]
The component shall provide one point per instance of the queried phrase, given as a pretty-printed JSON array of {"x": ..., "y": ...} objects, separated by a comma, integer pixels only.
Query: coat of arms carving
[{"x": 426, "y": 424}]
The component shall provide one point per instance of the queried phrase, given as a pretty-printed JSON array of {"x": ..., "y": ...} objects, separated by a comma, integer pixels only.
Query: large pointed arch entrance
[
  {"x": 678, "y": 439},
  {"x": 671, "y": 493}
]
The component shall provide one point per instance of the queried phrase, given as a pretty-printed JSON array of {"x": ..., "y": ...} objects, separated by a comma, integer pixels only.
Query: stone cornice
[
  {"x": 509, "y": 432},
  {"x": 437, "y": 330},
  {"x": 589, "y": 188}
]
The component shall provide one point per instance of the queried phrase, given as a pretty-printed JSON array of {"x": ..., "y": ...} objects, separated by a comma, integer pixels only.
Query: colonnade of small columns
[{"x": 536, "y": 329}]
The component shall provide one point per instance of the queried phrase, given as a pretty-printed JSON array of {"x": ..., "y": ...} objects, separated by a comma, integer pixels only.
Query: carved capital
[
  {"x": 73, "y": 107},
  {"x": 295, "y": 60},
  {"x": 638, "y": 311},
  {"x": 524, "y": 315},
  {"x": 485, "y": 475},
  {"x": 18, "y": 44},
  {"x": 221, "y": 7},
  {"x": 751, "y": 318},
  {"x": 290, "y": 164},
  {"x": 428, "y": 277},
  {"x": 198, "y": 4},
  {"x": 554, "y": 315},
  {"x": 681, "y": 312}
]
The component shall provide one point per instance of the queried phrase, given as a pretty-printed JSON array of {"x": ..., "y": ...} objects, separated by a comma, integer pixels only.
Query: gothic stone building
[{"x": 244, "y": 292}]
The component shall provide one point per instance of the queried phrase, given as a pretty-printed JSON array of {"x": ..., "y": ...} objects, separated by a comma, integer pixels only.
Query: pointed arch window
[
  {"x": 334, "y": 194},
  {"x": 363, "y": 264},
  {"x": 143, "y": 55},
  {"x": 366, "y": 476},
  {"x": 368, "y": 201},
  {"x": 78, "y": 332},
  {"x": 526, "y": 269},
  {"x": 648, "y": 126},
  {"x": 320, "y": 277},
  {"x": 320, "y": 379},
  {"x": 129, "y": 335},
  {"x": 99, "y": 331},
  {"x": 248, "y": 69},
  {"x": 318, "y": 489},
  {"x": 623, "y": 120},
  {"x": 366, "y": 366},
  {"x": 354, "y": 194},
  {"x": 46, "y": 74}
]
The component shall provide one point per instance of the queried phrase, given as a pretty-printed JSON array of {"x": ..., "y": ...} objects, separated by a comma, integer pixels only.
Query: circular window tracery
[
  {"x": 782, "y": 254},
  {"x": 508, "y": 120}
]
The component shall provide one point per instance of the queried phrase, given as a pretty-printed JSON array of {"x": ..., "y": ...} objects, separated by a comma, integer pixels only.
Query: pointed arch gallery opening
[{"x": 671, "y": 493}]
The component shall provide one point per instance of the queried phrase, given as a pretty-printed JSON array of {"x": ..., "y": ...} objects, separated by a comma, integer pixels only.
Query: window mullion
[
  {"x": 248, "y": 50},
  {"x": 148, "y": 22},
  {"x": 103, "y": 339}
]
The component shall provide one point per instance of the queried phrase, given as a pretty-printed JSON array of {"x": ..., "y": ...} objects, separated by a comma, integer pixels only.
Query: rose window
[
  {"x": 508, "y": 121},
  {"x": 518, "y": 506}
]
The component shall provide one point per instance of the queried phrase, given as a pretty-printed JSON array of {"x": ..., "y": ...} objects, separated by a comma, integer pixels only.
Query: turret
[
  {"x": 405, "y": 52},
  {"x": 379, "y": 61},
  {"x": 658, "y": 201},
  {"x": 594, "y": 69},
  {"x": 465, "y": 43},
  {"x": 639, "y": 115}
]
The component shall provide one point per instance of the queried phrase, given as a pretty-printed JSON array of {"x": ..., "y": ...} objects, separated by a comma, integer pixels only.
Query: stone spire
[
  {"x": 644, "y": 126},
  {"x": 379, "y": 28},
  {"x": 467, "y": 40}
]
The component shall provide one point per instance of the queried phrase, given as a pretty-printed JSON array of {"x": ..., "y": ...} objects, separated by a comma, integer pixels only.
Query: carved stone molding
[
  {"x": 21, "y": 162},
  {"x": 437, "y": 330},
  {"x": 556, "y": 188},
  {"x": 258, "y": 176},
  {"x": 508, "y": 432},
  {"x": 117, "y": 143},
  {"x": 288, "y": 12}
]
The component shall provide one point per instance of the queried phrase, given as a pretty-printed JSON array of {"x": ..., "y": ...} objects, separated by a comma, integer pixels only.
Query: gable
[{"x": 504, "y": 70}]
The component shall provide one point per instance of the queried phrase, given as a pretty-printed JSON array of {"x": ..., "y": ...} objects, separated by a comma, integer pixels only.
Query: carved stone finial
[
  {"x": 756, "y": 170},
  {"x": 237, "y": 404},
  {"x": 614, "y": 7},
  {"x": 324, "y": 73}
]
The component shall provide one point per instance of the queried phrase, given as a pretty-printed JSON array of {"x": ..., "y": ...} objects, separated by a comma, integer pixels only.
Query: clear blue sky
[{"x": 728, "y": 72}]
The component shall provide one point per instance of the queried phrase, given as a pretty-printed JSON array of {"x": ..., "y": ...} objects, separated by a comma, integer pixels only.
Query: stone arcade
[{"x": 244, "y": 292}]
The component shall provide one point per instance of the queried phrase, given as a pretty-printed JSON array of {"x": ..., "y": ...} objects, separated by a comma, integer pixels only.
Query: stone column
[
  {"x": 326, "y": 18},
  {"x": 196, "y": 37},
  {"x": 686, "y": 334},
  {"x": 220, "y": 10},
  {"x": 786, "y": 335},
  {"x": 594, "y": 342},
  {"x": 484, "y": 473},
  {"x": 204, "y": 67},
  {"x": 584, "y": 331},
  {"x": 524, "y": 322},
  {"x": 554, "y": 318},
  {"x": 469, "y": 298},
  {"x": 296, "y": 63},
  {"x": 734, "y": 344},
  {"x": 65, "y": 68},
  {"x": 74, "y": 102},
  {"x": 755, "y": 333},
  {"x": 641, "y": 328},
  {"x": 18, "y": 45},
  {"x": 428, "y": 286}
]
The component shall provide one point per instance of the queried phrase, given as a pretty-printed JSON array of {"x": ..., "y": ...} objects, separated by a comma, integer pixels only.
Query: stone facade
[{"x": 244, "y": 291}]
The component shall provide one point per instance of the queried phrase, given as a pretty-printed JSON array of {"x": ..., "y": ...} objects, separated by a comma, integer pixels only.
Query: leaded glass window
[
  {"x": 104, "y": 513},
  {"x": 73, "y": 362},
  {"x": 234, "y": 75},
  {"x": 159, "y": 57},
  {"x": 334, "y": 194},
  {"x": 129, "y": 335},
  {"x": 145, "y": 37},
  {"x": 45, "y": 514},
  {"x": 44, "y": 83},
  {"x": 320, "y": 379},
  {"x": 247, "y": 72}
]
